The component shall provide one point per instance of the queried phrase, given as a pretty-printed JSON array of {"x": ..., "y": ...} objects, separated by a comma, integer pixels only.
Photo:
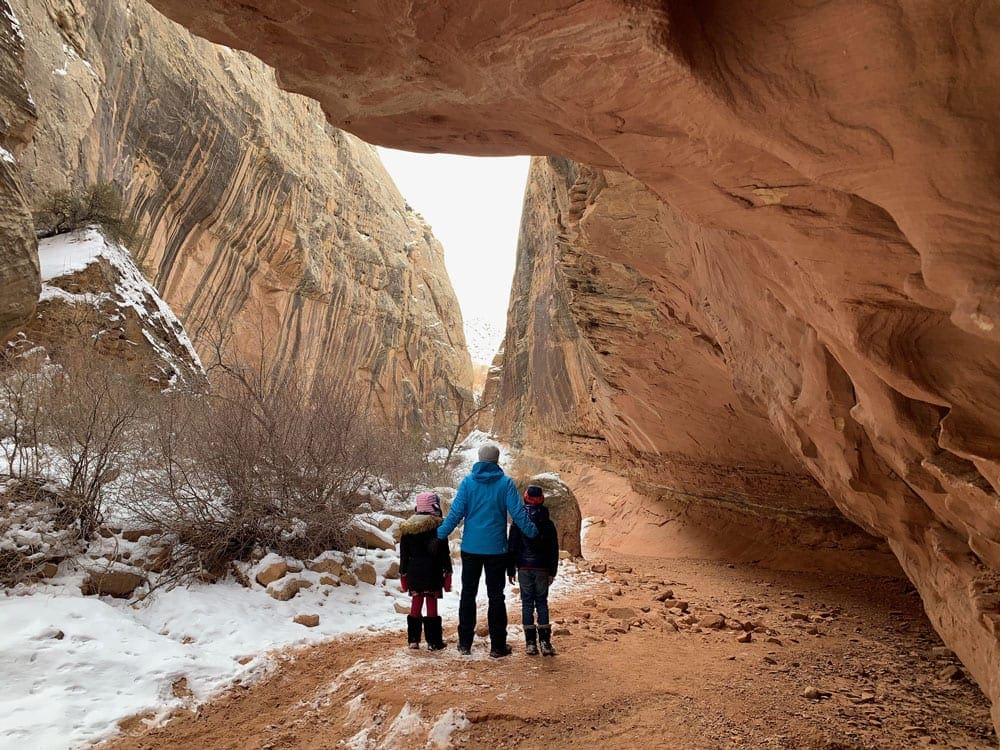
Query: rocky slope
[
  {"x": 19, "y": 280},
  {"x": 254, "y": 215},
  {"x": 829, "y": 178}
]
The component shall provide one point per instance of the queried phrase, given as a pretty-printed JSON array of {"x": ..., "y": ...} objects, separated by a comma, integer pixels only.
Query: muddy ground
[{"x": 832, "y": 663}]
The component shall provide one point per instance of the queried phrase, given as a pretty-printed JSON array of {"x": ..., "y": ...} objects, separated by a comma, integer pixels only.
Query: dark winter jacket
[
  {"x": 423, "y": 567},
  {"x": 541, "y": 553}
]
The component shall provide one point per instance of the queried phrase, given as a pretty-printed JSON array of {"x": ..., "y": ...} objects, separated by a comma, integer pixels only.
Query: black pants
[{"x": 472, "y": 569}]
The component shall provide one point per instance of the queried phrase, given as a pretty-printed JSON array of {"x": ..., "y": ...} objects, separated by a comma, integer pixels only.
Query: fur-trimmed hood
[{"x": 419, "y": 523}]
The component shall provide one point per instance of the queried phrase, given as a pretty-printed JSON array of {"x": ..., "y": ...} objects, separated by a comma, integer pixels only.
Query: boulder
[
  {"x": 367, "y": 535},
  {"x": 326, "y": 565},
  {"x": 310, "y": 621},
  {"x": 367, "y": 574},
  {"x": 117, "y": 583},
  {"x": 393, "y": 571},
  {"x": 385, "y": 523},
  {"x": 563, "y": 508},
  {"x": 348, "y": 578},
  {"x": 271, "y": 573},
  {"x": 287, "y": 588},
  {"x": 329, "y": 581}
]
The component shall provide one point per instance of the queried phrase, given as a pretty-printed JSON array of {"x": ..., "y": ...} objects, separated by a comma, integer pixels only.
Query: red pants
[{"x": 417, "y": 603}]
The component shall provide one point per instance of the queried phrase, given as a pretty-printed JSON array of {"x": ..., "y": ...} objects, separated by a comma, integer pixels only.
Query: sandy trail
[{"x": 646, "y": 687}]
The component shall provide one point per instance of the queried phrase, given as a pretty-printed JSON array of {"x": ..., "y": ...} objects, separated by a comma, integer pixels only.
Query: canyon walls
[
  {"x": 256, "y": 219},
  {"x": 831, "y": 230},
  {"x": 19, "y": 279}
]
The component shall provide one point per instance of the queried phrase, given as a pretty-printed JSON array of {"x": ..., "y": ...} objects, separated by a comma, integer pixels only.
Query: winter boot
[
  {"x": 432, "y": 633},
  {"x": 413, "y": 631},
  {"x": 530, "y": 640},
  {"x": 500, "y": 651},
  {"x": 545, "y": 640}
]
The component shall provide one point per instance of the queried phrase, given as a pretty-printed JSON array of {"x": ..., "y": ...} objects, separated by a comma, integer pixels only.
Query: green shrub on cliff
[{"x": 100, "y": 203}]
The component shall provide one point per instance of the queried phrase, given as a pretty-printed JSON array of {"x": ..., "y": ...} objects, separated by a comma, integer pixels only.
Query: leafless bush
[
  {"x": 258, "y": 461},
  {"x": 95, "y": 413},
  {"x": 24, "y": 386}
]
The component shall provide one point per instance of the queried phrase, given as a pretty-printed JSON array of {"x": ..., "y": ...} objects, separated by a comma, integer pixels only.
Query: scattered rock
[
  {"x": 712, "y": 622},
  {"x": 385, "y": 523},
  {"x": 347, "y": 578},
  {"x": 746, "y": 637},
  {"x": 589, "y": 603},
  {"x": 367, "y": 574},
  {"x": 664, "y": 595},
  {"x": 560, "y": 632},
  {"x": 117, "y": 583},
  {"x": 798, "y": 616},
  {"x": 811, "y": 693},
  {"x": 942, "y": 652},
  {"x": 621, "y": 613},
  {"x": 180, "y": 688},
  {"x": 393, "y": 572},
  {"x": 768, "y": 660},
  {"x": 134, "y": 535},
  {"x": 310, "y": 621},
  {"x": 951, "y": 673},
  {"x": 326, "y": 565},
  {"x": 598, "y": 568},
  {"x": 775, "y": 641},
  {"x": 272, "y": 573},
  {"x": 482, "y": 630},
  {"x": 331, "y": 581},
  {"x": 48, "y": 570},
  {"x": 286, "y": 589},
  {"x": 401, "y": 608}
]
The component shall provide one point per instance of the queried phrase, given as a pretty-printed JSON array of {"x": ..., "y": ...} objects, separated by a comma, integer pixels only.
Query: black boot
[
  {"x": 545, "y": 639},
  {"x": 413, "y": 631},
  {"x": 530, "y": 640},
  {"x": 432, "y": 632}
]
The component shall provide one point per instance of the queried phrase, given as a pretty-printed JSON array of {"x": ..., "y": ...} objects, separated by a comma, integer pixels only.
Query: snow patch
[{"x": 6, "y": 156}]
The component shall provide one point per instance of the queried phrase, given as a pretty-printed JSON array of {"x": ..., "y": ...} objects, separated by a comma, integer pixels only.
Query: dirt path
[{"x": 628, "y": 680}]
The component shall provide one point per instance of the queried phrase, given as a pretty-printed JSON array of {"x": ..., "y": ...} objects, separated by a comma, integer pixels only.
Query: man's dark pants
[{"x": 473, "y": 566}]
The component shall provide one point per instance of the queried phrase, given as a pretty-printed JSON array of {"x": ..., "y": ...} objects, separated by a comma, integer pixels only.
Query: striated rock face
[
  {"x": 255, "y": 216},
  {"x": 829, "y": 173},
  {"x": 19, "y": 280},
  {"x": 605, "y": 363}
]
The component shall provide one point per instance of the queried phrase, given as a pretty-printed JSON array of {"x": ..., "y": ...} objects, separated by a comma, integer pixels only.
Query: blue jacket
[{"x": 484, "y": 499}]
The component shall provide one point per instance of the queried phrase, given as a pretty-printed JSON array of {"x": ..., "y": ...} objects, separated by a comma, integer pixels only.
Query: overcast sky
[{"x": 473, "y": 204}]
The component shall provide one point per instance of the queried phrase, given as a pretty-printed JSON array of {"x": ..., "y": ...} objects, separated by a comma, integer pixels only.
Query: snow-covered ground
[{"x": 73, "y": 666}]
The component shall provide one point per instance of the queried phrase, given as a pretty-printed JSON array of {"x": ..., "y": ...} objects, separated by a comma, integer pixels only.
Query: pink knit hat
[{"x": 429, "y": 503}]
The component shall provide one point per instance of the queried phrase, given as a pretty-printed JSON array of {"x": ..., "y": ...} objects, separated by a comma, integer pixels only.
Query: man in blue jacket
[{"x": 484, "y": 499}]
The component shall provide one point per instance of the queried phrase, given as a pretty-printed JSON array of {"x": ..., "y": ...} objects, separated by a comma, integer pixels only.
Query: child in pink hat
[{"x": 425, "y": 570}]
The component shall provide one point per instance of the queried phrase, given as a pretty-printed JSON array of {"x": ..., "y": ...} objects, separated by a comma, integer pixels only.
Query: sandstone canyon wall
[
  {"x": 254, "y": 214},
  {"x": 830, "y": 176},
  {"x": 19, "y": 279}
]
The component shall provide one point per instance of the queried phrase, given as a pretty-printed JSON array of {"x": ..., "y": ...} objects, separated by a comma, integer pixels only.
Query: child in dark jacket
[
  {"x": 536, "y": 561},
  {"x": 425, "y": 569}
]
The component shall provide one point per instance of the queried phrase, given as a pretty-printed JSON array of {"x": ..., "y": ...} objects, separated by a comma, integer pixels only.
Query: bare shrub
[
  {"x": 258, "y": 461},
  {"x": 94, "y": 413},
  {"x": 24, "y": 388},
  {"x": 99, "y": 203}
]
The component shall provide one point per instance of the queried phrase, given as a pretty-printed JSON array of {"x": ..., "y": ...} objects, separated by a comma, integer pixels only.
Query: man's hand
[
  {"x": 403, "y": 586},
  {"x": 447, "y": 582}
]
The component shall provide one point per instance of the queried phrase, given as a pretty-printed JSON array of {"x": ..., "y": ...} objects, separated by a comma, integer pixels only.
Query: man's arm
[
  {"x": 516, "y": 509},
  {"x": 455, "y": 515}
]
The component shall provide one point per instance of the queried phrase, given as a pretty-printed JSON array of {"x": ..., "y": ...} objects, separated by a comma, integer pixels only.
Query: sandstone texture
[
  {"x": 256, "y": 218},
  {"x": 19, "y": 279},
  {"x": 828, "y": 180}
]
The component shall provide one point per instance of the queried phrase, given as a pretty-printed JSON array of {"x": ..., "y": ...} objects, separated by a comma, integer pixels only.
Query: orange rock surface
[{"x": 829, "y": 189}]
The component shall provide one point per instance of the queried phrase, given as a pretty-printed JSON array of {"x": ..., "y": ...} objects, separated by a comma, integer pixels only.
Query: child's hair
[
  {"x": 534, "y": 494},
  {"x": 429, "y": 503}
]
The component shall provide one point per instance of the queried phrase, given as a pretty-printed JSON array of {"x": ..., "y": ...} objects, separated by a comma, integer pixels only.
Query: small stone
[
  {"x": 746, "y": 637},
  {"x": 482, "y": 630},
  {"x": 811, "y": 693},
  {"x": 866, "y": 697},
  {"x": 286, "y": 589},
  {"x": 679, "y": 605},
  {"x": 272, "y": 573},
  {"x": 134, "y": 535},
  {"x": 664, "y": 595},
  {"x": 117, "y": 583},
  {"x": 347, "y": 578},
  {"x": 331, "y": 581},
  {"x": 942, "y": 652},
  {"x": 775, "y": 641},
  {"x": 712, "y": 622},
  {"x": 326, "y": 565},
  {"x": 598, "y": 568},
  {"x": 310, "y": 621},
  {"x": 560, "y": 632},
  {"x": 951, "y": 673},
  {"x": 393, "y": 572},
  {"x": 621, "y": 613},
  {"x": 401, "y": 608},
  {"x": 385, "y": 523},
  {"x": 798, "y": 616},
  {"x": 366, "y": 573},
  {"x": 49, "y": 570},
  {"x": 768, "y": 660}
]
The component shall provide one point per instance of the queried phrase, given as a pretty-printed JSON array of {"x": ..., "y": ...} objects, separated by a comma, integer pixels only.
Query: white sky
[{"x": 473, "y": 204}]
